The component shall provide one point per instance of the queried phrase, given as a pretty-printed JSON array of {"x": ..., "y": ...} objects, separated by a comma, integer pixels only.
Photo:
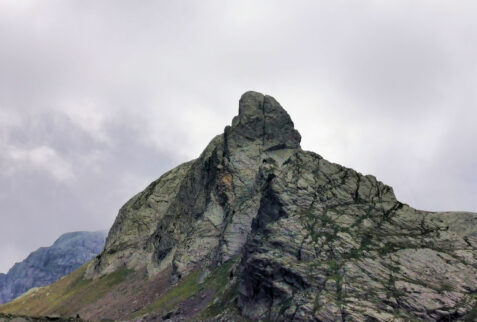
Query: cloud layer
[{"x": 97, "y": 99}]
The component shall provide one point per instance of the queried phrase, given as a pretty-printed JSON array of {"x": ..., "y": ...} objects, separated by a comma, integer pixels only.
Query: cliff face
[
  {"x": 315, "y": 239},
  {"x": 256, "y": 228},
  {"x": 48, "y": 264},
  {"x": 202, "y": 211}
]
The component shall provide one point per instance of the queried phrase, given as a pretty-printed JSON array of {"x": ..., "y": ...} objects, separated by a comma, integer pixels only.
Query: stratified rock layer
[{"x": 47, "y": 264}]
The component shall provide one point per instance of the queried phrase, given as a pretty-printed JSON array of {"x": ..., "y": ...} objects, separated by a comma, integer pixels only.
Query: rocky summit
[{"x": 258, "y": 229}]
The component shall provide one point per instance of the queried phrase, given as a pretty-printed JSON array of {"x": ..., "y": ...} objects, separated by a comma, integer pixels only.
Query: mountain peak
[
  {"x": 250, "y": 102},
  {"x": 262, "y": 117},
  {"x": 257, "y": 229}
]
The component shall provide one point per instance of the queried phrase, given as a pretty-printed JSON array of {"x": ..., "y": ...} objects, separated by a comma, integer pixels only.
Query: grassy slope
[
  {"x": 215, "y": 285},
  {"x": 128, "y": 294},
  {"x": 65, "y": 297}
]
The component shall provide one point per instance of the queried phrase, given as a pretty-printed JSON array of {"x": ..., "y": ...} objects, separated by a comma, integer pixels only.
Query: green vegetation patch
[
  {"x": 472, "y": 315},
  {"x": 84, "y": 292},
  {"x": 185, "y": 289},
  {"x": 218, "y": 282},
  {"x": 224, "y": 300},
  {"x": 189, "y": 286},
  {"x": 219, "y": 278}
]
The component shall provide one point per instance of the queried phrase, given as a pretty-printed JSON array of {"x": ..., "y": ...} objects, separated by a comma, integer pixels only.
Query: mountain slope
[
  {"x": 47, "y": 264},
  {"x": 256, "y": 228}
]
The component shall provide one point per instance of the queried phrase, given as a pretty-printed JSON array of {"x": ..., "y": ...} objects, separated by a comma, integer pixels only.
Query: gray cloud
[{"x": 99, "y": 98}]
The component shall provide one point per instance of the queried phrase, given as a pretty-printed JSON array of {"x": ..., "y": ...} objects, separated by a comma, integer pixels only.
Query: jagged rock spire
[{"x": 261, "y": 117}]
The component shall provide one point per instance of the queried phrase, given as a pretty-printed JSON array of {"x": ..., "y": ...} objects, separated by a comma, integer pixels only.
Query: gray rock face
[
  {"x": 48, "y": 264},
  {"x": 314, "y": 240}
]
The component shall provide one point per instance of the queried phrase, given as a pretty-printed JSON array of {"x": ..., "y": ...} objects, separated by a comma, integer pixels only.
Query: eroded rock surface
[{"x": 313, "y": 240}]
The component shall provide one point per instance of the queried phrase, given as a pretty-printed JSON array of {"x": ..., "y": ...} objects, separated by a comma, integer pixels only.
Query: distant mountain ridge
[{"x": 48, "y": 264}]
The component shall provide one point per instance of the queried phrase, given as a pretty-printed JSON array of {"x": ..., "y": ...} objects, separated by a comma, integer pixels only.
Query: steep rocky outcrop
[
  {"x": 47, "y": 264},
  {"x": 256, "y": 228}
]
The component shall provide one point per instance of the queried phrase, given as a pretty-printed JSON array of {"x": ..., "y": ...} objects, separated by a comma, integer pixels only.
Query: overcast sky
[{"x": 99, "y": 98}]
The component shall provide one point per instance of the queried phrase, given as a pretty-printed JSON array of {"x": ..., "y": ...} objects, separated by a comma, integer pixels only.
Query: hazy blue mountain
[{"x": 48, "y": 264}]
